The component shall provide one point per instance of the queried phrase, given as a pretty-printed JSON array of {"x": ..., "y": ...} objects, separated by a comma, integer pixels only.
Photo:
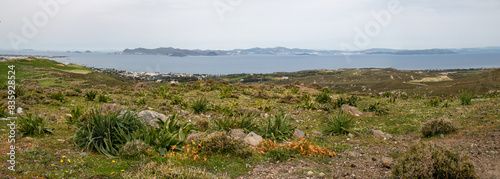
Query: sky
[{"x": 101, "y": 25}]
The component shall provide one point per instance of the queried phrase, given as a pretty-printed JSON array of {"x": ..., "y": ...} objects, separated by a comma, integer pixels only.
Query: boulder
[
  {"x": 253, "y": 139},
  {"x": 299, "y": 134},
  {"x": 379, "y": 134},
  {"x": 351, "y": 110},
  {"x": 150, "y": 117},
  {"x": 237, "y": 133}
]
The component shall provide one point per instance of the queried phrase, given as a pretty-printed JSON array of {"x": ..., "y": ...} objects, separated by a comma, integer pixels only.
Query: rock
[
  {"x": 253, "y": 139},
  {"x": 68, "y": 116},
  {"x": 352, "y": 154},
  {"x": 374, "y": 159},
  {"x": 442, "y": 136},
  {"x": 53, "y": 117},
  {"x": 237, "y": 133},
  {"x": 310, "y": 173},
  {"x": 63, "y": 109},
  {"x": 84, "y": 154},
  {"x": 321, "y": 174},
  {"x": 47, "y": 101},
  {"x": 353, "y": 165},
  {"x": 150, "y": 117},
  {"x": 379, "y": 134},
  {"x": 299, "y": 134},
  {"x": 351, "y": 110},
  {"x": 317, "y": 134},
  {"x": 61, "y": 140},
  {"x": 386, "y": 162}
]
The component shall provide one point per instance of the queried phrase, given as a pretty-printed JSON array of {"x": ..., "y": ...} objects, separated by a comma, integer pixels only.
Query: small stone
[
  {"x": 386, "y": 162},
  {"x": 442, "y": 136},
  {"x": 321, "y": 174},
  {"x": 317, "y": 134},
  {"x": 84, "y": 154},
  {"x": 310, "y": 173},
  {"x": 351, "y": 110},
  {"x": 237, "y": 133},
  {"x": 253, "y": 139},
  {"x": 374, "y": 159},
  {"x": 299, "y": 134},
  {"x": 63, "y": 109},
  {"x": 61, "y": 140},
  {"x": 353, "y": 165},
  {"x": 352, "y": 154}
]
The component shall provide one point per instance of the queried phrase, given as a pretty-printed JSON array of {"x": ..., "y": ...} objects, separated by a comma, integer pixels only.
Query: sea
[{"x": 255, "y": 64}]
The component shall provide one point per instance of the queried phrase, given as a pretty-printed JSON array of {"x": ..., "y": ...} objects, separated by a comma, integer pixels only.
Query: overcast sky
[{"x": 230, "y": 24}]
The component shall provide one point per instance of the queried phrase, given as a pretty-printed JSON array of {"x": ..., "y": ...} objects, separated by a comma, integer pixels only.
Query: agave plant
[
  {"x": 278, "y": 127},
  {"x": 31, "y": 124},
  {"x": 103, "y": 133},
  {"x": 338, "y": 124}
]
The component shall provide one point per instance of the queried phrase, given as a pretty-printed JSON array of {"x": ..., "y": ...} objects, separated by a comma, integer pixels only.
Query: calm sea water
[{"x": 272, "y": 63}]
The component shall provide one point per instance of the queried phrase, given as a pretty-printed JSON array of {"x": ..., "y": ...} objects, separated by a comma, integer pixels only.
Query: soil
[{"x": 365, "y": 161}]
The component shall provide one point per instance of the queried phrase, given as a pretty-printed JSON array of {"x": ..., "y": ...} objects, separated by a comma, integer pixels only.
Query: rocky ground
[{"x": 375, "y": 161}]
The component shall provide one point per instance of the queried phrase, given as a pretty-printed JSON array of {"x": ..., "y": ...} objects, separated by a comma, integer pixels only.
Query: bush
[
  {"x": 221, "y": 143},
  {"x": 134, "y": 149},
  {"x": 3, "y": 111},
  {"x": 245, "y": 122},
  {"x": 466, "y": 98},
  {"x": 281, "y": 154},
  {"x": 338, "y": 124},
  {"x": 277, "y": 127},
  {"x": 377, "y": 108},
  {"x": 90, "y": 95},
  {"x": 57, "y": 96},
  {"x": 31, "y": 124},
  {"x": 430, "y": 161},
  {"x": 76, "y": 113},
  {"x": 103, "y": 98},
  {"x": 351, "y": 101},
  {"x": 200, "y": 105},
  {"x": 168, "y": 170},
  {"x": 171, "y": 132},
  {"x": 437, "y": 126},
  {"x": 434, "y": 102},
  {"x": 104, "y": 133},
  {"x": 323, "y": 98}
]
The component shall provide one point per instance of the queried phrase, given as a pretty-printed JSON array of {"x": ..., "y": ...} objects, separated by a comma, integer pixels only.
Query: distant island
[{"x": 170, "y": 51}]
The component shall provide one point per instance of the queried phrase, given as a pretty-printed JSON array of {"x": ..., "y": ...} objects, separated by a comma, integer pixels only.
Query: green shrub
[
  {"x": 57, "y": 96},
  {"x": 90, "y": 95},
  {"x": 377, "y": 108},
  {"x": 177, "y": 100},
  {"x": 277, "y": 127},
  {"x": 430, "y": 161},
  {"x": 168, "y": 170},
  {"x": 173, "y": 131},
  {"x": 76, "y": 113},
  {"x": 141, "y": 101},
  {"x": 105, "y": 133},
  {"x": 281, "y": 154},
  {"x": 437, "y": 126},
  {"x": 3, "y": 111},
  {"x": 323, "y": 98},
  {"x": 351, "y": 101},
  {"x": 103, "y": 98},
  {"x": 134, "y": 149},
  {"x": 466, "y": 98},
  {"x": 338, "y": 124},
  {"x": 31, "y": 124},
  {"x": 221, "y": 143},
  {"x": 78, "y": 90},
  {"x": 294, "y": 90},
  {"x": 200, "y": 105},
  {"x": 434, "y": 102},
  {"x": 245, "y": 122}
]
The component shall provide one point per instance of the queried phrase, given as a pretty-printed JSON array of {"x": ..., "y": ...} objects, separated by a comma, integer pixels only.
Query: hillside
[
  {"x": 48, "y": 73},
  {"x": 78, "y": 123}
]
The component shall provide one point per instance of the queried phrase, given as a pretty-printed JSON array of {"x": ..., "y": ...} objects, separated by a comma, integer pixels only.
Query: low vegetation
[
  {"x": 430, "y": 161},
  {"x": 88, "y": 125}
]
